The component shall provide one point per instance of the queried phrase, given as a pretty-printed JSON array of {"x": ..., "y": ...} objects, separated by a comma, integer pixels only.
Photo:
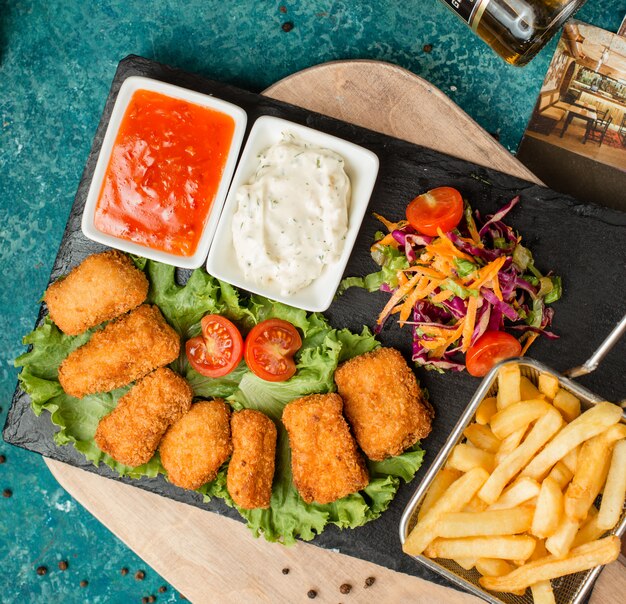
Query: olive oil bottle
[{"x": 516, "y": 29}]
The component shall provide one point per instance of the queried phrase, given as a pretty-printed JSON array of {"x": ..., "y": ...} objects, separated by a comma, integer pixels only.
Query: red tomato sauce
[{"x": 164, "y": 172}]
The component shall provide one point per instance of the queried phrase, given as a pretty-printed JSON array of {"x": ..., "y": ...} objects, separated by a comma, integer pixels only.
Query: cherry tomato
[
  {"x": 439, "y": 208},
  {"x": 218, "y": 350},
  {"x": 491, "y": 348},
  {"x": 269, "y": 350}
]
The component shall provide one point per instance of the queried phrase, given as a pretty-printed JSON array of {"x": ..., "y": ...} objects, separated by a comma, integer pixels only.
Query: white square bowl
[
  {"x": 361, "y": 166},
  {"x": 128, "y": 88}
]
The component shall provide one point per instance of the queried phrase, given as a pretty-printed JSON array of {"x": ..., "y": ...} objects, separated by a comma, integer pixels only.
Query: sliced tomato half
[
  {"x": 269, "y": 350},
  {"x": 491, "y": 348},
  {"x": 440, "y": 208},
  {"x": 218, "y": 350}
]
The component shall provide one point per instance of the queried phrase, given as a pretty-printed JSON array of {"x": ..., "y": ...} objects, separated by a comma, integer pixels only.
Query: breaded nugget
[
  {"x": 131, "y": 433},
  {"x": 251, "y": 469},
  {"x": 195, "y": 447},
  {"x": 124, "y": 351},
  {"x": 383, "y": 403},
  {"x": 102, "y": 287},
  {"x": 325, "y": 462}
]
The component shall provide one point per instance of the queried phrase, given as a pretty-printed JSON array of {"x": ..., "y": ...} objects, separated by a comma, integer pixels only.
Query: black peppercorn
[
  {"x": 346, "y": 588},
  {"x": 124, "y": 572},
  {"x": 151, "y": 599},
  {"x": 312, "y": 594},
  {"x": 2, "y": 459},
  {"x": 42, "y": 570},
  {"x": 84, "y": 583},
  {"x": 287, "y": 26},
  {"x": 140, "y": 575},
  {"x": 63, "y": 565},
  {"x": 369, "y": 581},
  {"x": 7, "y": 493},
  {"x": 162, "y": 589},
  {"x": 428, "y": 47},
  {"x": 285, "y": 571},
  {"x": 144, "y": 600}
]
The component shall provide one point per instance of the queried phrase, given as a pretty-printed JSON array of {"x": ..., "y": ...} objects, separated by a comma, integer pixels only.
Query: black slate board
[{"x": 584, "y": 243}]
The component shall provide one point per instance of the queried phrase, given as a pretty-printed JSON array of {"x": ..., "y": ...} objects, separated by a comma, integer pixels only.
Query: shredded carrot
[
  {"x": 429, "y": 272},
  {"x": 438, "y": 332},
  {"x": 402, "y": 291},
  {"x": 471, "y": 227},
  {"x": 448, "y": 243},
  {"x": 402, "y": 278},
  {"x": 442, "y": 296},
  {"x": 410, "y": 301},
  {"x": 386, "y": 240},
  {"x": 391, "y": 226},
  {"x": 432, "y": 344},
  {"x": 488, "y": 272},
  {"x": 470, "y": 322},
  {"x": 495, "y": 285},
  {"x": 531, "y": 338}
]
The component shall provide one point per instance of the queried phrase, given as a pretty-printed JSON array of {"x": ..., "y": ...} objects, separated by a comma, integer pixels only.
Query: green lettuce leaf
[
  {"x": 323, "y": 348},
  {"x": 391, "y": 259}
]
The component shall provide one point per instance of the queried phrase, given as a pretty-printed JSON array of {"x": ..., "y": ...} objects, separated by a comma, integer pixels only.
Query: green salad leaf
[{"x": 323, "y": 348}]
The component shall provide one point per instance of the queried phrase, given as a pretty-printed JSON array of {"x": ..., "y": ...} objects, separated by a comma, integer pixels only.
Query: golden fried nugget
[
  {"x": 383, "y": 403},
  {"x": 251, "y": 469},
  {"x": 131, "y": 433},
  {"x": 325, "y": 461},
  {"x": 125, "y": 350},
  {"x": 195, "y": 447},
  {"x": 102, "y": 287}
]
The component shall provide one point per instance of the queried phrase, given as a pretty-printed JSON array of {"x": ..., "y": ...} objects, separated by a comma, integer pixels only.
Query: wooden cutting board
[{"x": 210, "y": 558}]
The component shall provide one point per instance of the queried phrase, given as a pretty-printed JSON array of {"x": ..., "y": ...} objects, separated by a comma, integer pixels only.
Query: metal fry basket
[{"x": 570, "y": 589}]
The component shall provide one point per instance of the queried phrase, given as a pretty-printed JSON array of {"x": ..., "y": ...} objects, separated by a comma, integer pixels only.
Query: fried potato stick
[
  {"x": 325, "y": 461},
  {"x": 102, "y": 287},
  {"x": 131, "y": 433},
  {"x": 195, "y": 447},
  {"x": 251, "y": 469},
  {"x": 125, "y": 350},
  {"x": 383, "y": 403}
]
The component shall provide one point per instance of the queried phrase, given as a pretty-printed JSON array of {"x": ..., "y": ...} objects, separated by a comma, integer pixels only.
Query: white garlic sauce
[{"x": 292, "y": 216}]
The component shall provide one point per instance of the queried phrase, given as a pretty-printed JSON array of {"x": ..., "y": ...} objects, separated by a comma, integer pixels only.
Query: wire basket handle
[{"x": 594, "y": 360}]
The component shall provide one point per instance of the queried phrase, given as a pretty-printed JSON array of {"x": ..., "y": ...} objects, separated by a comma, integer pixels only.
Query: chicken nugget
[
  {"x": 125, "y": 350},
  {"x": 383, "y": 403},
  {"x": 195, "y": 447},
  {"x": 251, "y": 469},
  {"x": 325, "y": 462},
  {"x": 131, "y": 433},
  {"x": 102, "y": 287}
]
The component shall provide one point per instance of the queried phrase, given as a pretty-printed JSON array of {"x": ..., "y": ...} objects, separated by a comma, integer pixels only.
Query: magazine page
[{"x": 576, "y": 138}]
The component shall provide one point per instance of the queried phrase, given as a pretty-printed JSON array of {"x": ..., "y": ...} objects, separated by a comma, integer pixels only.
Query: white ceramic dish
[
  {"x": 128, "y": 88},
  {"x": 361, "y": 166}
]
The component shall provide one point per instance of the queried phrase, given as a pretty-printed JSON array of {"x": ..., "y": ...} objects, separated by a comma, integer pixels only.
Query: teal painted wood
[{"x": 57, "y": 59}]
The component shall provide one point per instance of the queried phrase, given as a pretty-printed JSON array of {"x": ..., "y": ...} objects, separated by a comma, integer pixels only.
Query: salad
[{"x": 459, "y": 281}]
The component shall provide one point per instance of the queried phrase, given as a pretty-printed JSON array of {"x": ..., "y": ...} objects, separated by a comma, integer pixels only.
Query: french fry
[
  {"x": 548, "y": 385},
  {"x": 507, "y": 547},
  {"x": 582, "y": 558},
  {"x": 493, "y": 567},
  {"x": 541, "y": 432},
  {"x": 549, "y": 509},
  {"x": 542, "y": 593},
  {"x": 508, "y": 385},
  {"x": 454, "y": 499},
  {"x": 510, "y": 443},
  {"x": 518, "y": 415},
  {"x": 589, "y": 531},
  {"x": 560, "y": 542},
  {"x": 561, "y": 474},
  {"x": 587, "y": 425},
  {"x": 614, "y": 489},
  {"x": 494, "y": 522},
  {"x": 528, "y": 390},
  {"x": 567, "y": 404},
  {"x": 523, "y": 490},
  {"x": 464, "y": 458},
  {"x": 482, "y": 437},
  {"x": 475, "y": 505},
  {"x": 590, "y": 475},
  {"x": 444, "y": 478},
  {"x": 571, "y": 460},
  {"x": 486, "y": 410}
]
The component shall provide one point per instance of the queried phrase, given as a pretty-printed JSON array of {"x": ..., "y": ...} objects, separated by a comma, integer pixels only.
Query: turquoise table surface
[{"x": 57, "y": 59}]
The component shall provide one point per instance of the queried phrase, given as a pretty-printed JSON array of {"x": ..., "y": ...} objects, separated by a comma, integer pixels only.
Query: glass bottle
[{"x": 516, "y": 29}]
